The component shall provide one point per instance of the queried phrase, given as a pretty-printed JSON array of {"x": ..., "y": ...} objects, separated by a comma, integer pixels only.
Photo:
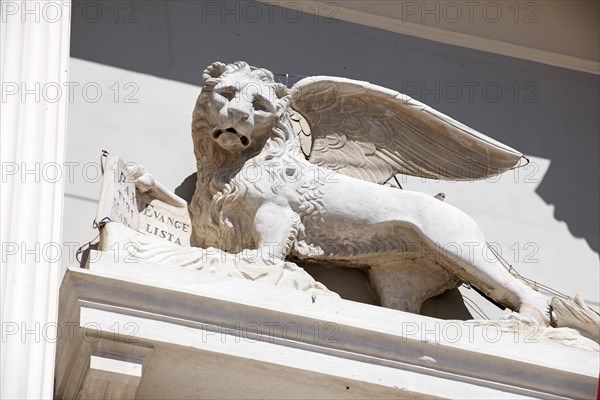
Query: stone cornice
[
  {"x": 447, "y": 36},
  {"x": 396, "y": 352}
]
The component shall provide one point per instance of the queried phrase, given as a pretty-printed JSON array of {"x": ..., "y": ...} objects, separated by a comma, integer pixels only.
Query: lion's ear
[
  {"x": 281, "y": 90},
  {"x": 211, "y": 74},
  {"x": 283, "y": 96}
]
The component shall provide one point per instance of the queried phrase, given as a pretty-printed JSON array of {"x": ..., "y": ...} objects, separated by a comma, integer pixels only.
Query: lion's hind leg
[
  {"x": 408, "y": 282},
  {"x": 460, "y": 248}
]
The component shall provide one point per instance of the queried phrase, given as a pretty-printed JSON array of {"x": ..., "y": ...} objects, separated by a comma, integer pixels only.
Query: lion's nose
[{"x": 238, "y": 111}]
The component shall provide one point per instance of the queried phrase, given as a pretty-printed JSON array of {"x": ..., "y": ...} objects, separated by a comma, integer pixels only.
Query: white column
[{"x": 34, "y": 64}]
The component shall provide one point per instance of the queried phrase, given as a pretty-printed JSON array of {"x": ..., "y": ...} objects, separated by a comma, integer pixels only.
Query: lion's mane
[{"x": 218, "y": 217}]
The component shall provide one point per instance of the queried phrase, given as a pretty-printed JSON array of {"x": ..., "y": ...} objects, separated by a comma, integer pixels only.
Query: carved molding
[
  {"x": 191, "y": 322},
  {"x": 100, "y": 368}
]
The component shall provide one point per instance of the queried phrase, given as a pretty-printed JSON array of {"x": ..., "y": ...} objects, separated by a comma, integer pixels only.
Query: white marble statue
[{"x": 296, "y": 174}]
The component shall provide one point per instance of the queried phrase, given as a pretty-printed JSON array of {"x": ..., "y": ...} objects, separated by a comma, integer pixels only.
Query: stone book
[{"x": 121, "y": 203}]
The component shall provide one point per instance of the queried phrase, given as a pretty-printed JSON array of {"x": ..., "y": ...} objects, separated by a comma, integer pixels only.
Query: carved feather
[
  {"x": 302, "y": 131},
  {"x": 372, "y": 133}
]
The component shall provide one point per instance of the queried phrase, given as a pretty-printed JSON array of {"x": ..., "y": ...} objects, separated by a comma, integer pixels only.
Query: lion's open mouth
[{"x": 243, "y": 139}]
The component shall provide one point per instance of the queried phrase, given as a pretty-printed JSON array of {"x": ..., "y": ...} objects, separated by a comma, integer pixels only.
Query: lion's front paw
[{"x": 145, "y": 183}]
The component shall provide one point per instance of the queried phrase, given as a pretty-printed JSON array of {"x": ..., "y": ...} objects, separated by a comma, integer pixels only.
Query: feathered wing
[
  {"x": 302, "y": 131},
  {"x": 372, "y": 133}
]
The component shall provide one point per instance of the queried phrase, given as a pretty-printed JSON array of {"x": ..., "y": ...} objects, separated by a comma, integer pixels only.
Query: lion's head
[
  {"x": 241, "y": 116},
  {"x": 238, "y": 108}
]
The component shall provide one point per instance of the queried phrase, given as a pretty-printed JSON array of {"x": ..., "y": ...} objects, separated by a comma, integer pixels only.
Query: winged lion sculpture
[{"x": 297, "y": 173}]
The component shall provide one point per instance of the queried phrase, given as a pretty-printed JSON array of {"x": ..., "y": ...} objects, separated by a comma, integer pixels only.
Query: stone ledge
[{"x": 173, "y": 319}]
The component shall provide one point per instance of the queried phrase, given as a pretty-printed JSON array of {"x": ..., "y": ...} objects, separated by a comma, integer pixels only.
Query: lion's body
[
  {"x": 335, "y": 219},
  {"x": 255, "y": 190}
]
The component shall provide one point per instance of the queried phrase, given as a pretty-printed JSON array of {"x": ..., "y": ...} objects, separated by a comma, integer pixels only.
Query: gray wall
[{"x": 542, "y": 110}]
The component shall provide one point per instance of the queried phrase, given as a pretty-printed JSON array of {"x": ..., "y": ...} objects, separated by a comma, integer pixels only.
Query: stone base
[{"x": 131, "y": 330}]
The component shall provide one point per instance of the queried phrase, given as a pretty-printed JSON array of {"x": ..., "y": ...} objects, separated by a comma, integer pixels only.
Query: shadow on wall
[
  {"x": 186, "y": 189},
  {"x": 353, "y": 284}
]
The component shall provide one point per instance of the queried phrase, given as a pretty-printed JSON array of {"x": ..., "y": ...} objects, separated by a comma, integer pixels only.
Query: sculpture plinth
[{"x": 184, "y": 334}]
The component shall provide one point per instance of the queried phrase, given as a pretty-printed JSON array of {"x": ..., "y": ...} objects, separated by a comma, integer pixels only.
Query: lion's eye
[
  {"x": 228, "y": 94},
  {"x": 259, "y": 105}
]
